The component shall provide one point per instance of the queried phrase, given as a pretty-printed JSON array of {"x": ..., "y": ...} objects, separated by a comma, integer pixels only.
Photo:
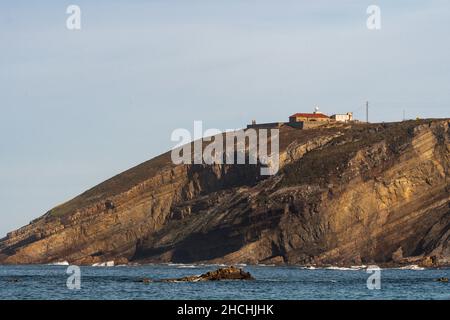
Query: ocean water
[{"x": 121, "y": 282}]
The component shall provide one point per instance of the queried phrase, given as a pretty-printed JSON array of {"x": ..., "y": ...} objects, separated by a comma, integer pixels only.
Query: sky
[{"x": 79, "y": 106}]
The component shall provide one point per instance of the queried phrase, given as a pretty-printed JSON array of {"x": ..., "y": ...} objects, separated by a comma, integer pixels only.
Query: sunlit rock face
[{"x": 345, "y": 194}]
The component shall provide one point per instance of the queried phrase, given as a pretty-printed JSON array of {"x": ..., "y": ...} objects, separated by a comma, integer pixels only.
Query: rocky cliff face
[{"x": 347, "y": 194}]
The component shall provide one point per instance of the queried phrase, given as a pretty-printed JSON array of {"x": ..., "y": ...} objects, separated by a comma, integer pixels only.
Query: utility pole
[
  {"x": 367, "y": 111},
  {"x": 404, "y": 115}
]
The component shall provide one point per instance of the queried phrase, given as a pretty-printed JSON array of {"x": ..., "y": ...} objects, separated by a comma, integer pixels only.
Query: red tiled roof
[{"x": 309, "y": 115}]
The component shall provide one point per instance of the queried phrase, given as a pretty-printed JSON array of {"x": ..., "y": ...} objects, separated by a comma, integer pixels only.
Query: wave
[
  {"x": 202, "y": 265},
  {"x": 136, "y": 264},
  {"x": 362, "y": 267},
  {"x": 351, "y": 268},
  {"x": 308, "y": 267},
  {"x": 187, "y": 266},
  {"x": 104, "y": 264},
  {"x": 340, "y": 268},
  {"x": 411, "y": 267},
  {"x": 59, "y": 263}
]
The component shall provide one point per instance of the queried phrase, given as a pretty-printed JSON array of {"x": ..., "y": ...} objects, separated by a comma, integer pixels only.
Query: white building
[{"x": 343, "y": 117}]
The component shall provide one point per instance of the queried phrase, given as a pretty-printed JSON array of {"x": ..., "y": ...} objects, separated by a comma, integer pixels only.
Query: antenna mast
[{"x": 367, "y": 111}]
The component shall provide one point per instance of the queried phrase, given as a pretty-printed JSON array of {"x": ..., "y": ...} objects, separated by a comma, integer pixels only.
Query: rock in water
[{"x": 228, "y": 273}]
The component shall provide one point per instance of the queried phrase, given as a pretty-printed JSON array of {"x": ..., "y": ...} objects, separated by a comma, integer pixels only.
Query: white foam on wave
[
  {"x": 411, "y": 267},
  {"x": 340, "y": 268},
  {"x": 59, "y": 263},
  {"x": 219, "y": 265},
  {"x": 187, "y": 266},
  {"x": 363, "y": 266},
  {"x": 351, "y": 268},
  {"x": 104, "y": 264},
  {"x": 135, "y": 264},
  {"x": 182, "y": 265}
]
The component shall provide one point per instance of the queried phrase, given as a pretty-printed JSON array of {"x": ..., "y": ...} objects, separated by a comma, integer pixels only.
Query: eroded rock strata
[{"x": 345, "y": 195}]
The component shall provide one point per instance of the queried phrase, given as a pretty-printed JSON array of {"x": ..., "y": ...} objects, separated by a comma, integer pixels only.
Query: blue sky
[{"x": 77, "y": 107}]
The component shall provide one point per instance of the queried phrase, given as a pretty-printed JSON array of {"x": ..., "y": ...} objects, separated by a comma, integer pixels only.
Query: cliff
[{"x": 344, "y": 194}]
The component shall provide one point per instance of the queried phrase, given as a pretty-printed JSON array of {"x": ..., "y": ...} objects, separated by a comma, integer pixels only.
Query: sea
[{"x": 62, "y": 282}]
